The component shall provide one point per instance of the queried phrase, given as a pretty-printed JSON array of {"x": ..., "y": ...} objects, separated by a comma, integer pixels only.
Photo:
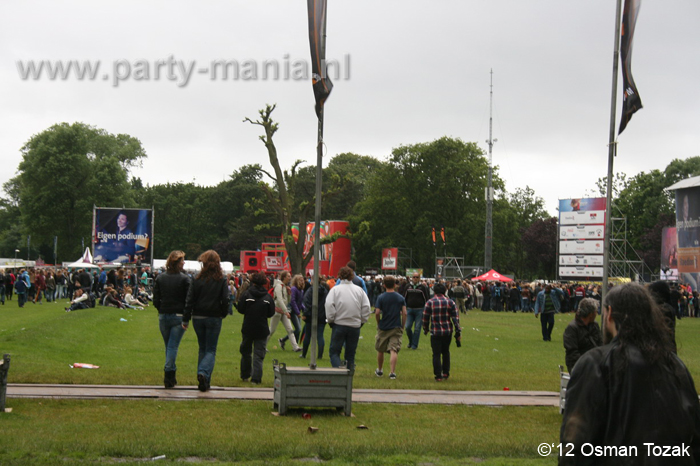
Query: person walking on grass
[
  {"x": 390, "y": 312},
  {"x": 282, "y": 300},
  {"x": 441, "y": 318},
  {"x": 169, "y": 296},
  {"x": 207, "y": 306},
  {"x": 257, "y": 306},
  {"x": 296, "y": 303},
  {"x": 347, "y": 310},
  {"x": 548, "y": 302}
]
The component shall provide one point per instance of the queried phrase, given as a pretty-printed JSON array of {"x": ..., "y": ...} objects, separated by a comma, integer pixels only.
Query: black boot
[{"x": 169, "y": 380}]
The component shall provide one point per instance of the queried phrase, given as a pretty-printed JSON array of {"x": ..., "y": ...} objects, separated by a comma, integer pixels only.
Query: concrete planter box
[{"x": 302, "y": 387}]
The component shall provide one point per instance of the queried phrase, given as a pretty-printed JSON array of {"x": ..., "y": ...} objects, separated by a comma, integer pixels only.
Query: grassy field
[{"x": 499, "y": 350}]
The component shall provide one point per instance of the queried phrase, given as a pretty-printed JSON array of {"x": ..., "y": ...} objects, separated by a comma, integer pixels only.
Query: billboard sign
[
  {"x": 390, "y": 258},
  {"x": 122, "y": 235},
  {"x": 688, "y": 229}
]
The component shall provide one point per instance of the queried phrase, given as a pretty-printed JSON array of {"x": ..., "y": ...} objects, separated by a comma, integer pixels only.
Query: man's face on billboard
[{"x": 122, "y": 221}]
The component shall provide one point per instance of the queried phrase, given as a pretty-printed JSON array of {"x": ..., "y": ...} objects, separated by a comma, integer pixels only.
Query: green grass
[
  {"x": 247, "y": 431},
  {"x": 499, "y": 350}
]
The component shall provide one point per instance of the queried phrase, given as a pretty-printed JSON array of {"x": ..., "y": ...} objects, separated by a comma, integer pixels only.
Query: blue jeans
[
  {"x": 343, "y": 335},
  {"x": 320, "y": 341},
  {"x": 526, "y": 305},
  {"x": 21, "y": 299},
  {"x": 207, "y": 330},
  {"x": 172, "y": 331},
  {"x": 2, "y": 293},
  {"x": 414, "y": 316}
]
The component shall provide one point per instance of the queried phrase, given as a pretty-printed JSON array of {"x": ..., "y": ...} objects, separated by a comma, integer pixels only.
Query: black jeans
[
  {"x": 441, "y": 355},
  {"x": 547, "y": 321}
]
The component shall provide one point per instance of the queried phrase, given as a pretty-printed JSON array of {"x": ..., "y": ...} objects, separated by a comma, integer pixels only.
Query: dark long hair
[
  {"x": 639, "y": 322},
  {"x": 211, "y": 266}
]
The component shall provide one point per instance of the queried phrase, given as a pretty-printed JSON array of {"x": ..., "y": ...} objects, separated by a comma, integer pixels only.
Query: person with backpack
[
  {"x": 22, "y": 287},
  {"x": 321, "y": 318},
  {"x": 257, "y": 306}
]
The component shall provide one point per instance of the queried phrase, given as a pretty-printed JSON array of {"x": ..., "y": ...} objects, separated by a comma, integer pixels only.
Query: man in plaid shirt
[{"x": 441, "y": 312}]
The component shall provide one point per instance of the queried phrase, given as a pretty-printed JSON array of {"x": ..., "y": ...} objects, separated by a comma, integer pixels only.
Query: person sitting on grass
[
  {"x": 81, "y": 300},
  {"x": 390, "y": 312},
  {"x": 131, "y": 301}
]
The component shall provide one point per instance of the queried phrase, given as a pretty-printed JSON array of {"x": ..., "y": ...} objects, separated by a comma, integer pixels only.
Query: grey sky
[{"x": 419, "y": 70}]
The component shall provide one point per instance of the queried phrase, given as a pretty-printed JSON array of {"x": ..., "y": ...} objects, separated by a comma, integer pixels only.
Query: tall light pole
[
  {"x": 16, "y": 251},
  {"x": 488, "y": 240}
]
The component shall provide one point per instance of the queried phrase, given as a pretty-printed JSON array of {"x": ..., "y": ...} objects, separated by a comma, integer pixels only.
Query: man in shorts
[{"x": 390, "y": 312}]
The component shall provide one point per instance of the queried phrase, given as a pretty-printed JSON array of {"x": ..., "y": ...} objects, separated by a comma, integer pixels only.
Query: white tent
[
  {"x": 192, "y": 266},
  {"x": 84, "y": 262}
]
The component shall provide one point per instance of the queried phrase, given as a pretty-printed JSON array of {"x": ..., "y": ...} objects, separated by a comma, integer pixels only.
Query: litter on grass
[
  {"x": 81, "y": 365},
  {"x": 123, "y": 320}
]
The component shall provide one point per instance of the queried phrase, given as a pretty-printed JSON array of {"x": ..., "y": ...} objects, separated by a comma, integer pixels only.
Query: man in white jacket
[{"x": 347, "y": 309}]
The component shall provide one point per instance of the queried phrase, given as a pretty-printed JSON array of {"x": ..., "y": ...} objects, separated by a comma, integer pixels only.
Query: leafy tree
[
  {"x": 180, "y": 218},
  {"x": 420, "y": 186},
  {"x": 539, "y": 241},
  {"x": 65, "y": 171}
]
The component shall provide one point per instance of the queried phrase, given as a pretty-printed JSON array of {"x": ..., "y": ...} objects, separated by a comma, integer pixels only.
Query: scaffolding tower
[{"x": 624, "y": 260}]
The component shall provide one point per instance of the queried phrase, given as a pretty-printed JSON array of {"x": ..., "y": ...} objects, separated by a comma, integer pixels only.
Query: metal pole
[
  {"x": 488, "y": 240},
  {"x": 612, "y": 149},
  {"x": 317, "y": 244}
]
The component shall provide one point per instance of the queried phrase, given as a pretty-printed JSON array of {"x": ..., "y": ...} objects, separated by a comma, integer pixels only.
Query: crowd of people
[{"x": 625, "y": 374}]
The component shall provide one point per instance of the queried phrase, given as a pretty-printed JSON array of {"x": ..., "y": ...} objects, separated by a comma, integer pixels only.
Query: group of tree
[{"x": 394, "y": 202}]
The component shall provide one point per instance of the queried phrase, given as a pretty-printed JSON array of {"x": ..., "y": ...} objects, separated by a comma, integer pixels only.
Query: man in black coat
[
  {"x": 257, "y": 306},
  {"x": 583, "y": 333}
]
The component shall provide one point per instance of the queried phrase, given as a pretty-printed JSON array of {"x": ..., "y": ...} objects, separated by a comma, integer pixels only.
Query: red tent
[{"x": 492, "y": 276}]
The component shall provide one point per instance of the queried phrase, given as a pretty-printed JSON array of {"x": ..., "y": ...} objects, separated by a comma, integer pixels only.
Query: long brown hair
[
  {"x": 211, "y": 266},
  {"x": 173, "y": 259}
]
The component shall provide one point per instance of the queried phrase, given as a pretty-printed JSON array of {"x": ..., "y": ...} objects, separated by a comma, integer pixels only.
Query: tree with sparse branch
[{"x": 289, "y": 199}]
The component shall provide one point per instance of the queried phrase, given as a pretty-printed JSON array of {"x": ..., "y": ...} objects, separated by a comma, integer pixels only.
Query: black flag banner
[
  {"x": 317, "y": 40},
  {"x": 631, "y": 102}
]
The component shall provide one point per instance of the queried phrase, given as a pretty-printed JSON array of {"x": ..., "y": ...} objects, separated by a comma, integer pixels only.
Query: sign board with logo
[
  {"x": 581, "y": 237},
  {"x": 390, "y": 258}
]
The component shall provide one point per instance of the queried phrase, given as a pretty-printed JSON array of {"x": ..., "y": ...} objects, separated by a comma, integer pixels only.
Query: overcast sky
[{"x": 418, "y": 70}]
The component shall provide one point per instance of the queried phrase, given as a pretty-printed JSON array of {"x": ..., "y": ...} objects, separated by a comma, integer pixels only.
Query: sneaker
[
  {"x": 378, "y": 373},
  {"x": 255, "y": 382},
  {"x": 298, "y": 349},
  {"x": 445, "y": 376},
  {"x": 392, "y": 376},
  {"x": 281, "y": 342},
  {"x": 203, "y": 386},
  {"x": 438, "y": 379}
]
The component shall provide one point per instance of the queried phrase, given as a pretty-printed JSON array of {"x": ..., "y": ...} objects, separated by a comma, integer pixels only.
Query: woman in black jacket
[
  {"x": 169, "y": 294},
  {"x": 207, "y": 305}
]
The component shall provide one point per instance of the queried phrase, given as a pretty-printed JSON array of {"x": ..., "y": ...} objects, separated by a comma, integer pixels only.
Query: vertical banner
[
  {"x": 631, "y": 102},
  {"x": 433, "y": 236},
  {"x": 669, "y": 254},
  {"x": 322, "y": 85},
  {"x": 123, "y": 235},
  {"x": 390, "y": 258}
]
